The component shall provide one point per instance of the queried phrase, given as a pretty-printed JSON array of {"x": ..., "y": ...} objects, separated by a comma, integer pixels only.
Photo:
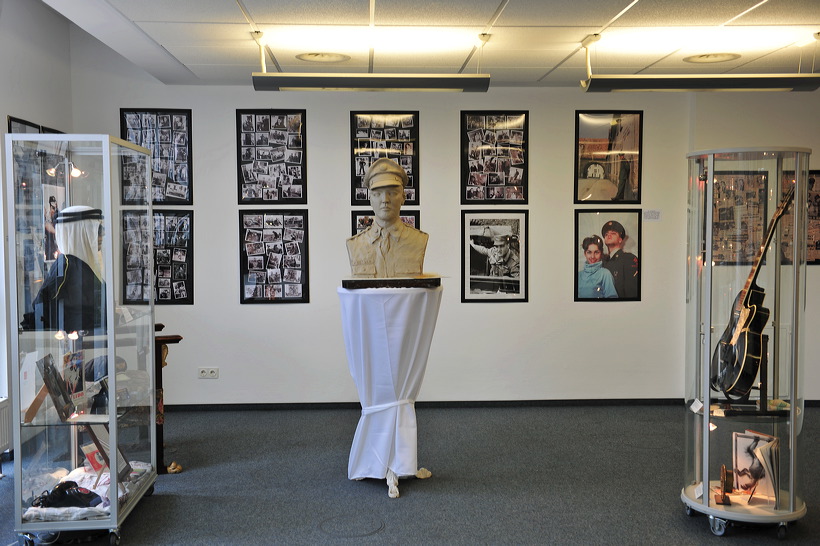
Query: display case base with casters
[{"x": 745, "y": 299}]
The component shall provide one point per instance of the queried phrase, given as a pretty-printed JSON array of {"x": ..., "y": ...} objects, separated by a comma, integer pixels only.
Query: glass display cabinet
[
  {"x": 745, "y": 299},
  {"x": 82, "y": 362}
]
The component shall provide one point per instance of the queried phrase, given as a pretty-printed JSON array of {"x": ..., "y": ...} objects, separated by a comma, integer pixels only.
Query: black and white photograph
[
  {"x": 608, "y": 156},
  {"x": 167, "y": 133},
  {"x": 608, "y": 251},
  {"x": 362, "y": 219},
  {"x": 741, "y": 199},
  {"x": 273, "y": 256},
  {"x": 374, "y": 135},
  {"x": 494, "y": 157},
  {"x": 173, "y": 257},
  {"x": 494, "y": 255},
  {"x": 271, "y": 157}
]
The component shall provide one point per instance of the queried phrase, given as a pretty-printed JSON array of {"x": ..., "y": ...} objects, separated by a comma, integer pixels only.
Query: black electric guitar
[{"x": 737, "y": 357}]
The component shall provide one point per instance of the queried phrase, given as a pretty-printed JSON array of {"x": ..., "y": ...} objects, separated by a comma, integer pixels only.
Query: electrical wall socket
[{"x": 208, "y": 373}]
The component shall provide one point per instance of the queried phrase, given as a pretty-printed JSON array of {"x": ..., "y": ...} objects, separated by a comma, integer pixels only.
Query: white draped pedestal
[{"x": 387, "y": 334}]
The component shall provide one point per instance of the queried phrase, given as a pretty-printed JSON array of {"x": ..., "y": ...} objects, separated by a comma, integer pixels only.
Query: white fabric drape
[{"x": 387, "y": 334}]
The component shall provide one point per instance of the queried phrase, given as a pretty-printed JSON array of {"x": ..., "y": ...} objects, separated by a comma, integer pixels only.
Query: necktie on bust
[{"x": 382, "y": 250}]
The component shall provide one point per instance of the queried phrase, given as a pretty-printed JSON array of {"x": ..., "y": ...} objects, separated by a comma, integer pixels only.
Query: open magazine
[{"x": 756, "y": 458}]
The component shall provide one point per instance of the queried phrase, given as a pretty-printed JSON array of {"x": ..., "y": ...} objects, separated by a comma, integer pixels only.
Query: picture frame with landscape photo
[
  {"x": 273, "y": 256},
  {"x": 271, "y": 156},
  {"x": 608, "y": 156},
  {"x": 390, "y": 134},
  {"x": 494, "y": 157},
  {"x": 494, "y": 256},
  {"x": 168, "y": 134}
]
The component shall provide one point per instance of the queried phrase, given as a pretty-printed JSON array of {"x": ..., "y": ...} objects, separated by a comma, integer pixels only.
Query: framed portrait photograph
[
  {"x": 494, "y": 157},
  {"x": 608, "y": 156},
  {"x": 362, "y": 219},
  {"x": 172, "y": 275},
  {"x": 374, "y": 135},
  {"x": 741, "y": 199},
  {"x": 273, "y": 256},
  {"x": 271, "y": 157},
  {"x": 494, "y": 255},
  {"x": 167, "y": 133},
  {"x": 608, "y": 251}
]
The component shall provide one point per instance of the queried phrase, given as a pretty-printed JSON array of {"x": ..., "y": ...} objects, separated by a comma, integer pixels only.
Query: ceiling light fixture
[
  {"x": 299, "y": 81},
  {"x": 693, "y": 82}
]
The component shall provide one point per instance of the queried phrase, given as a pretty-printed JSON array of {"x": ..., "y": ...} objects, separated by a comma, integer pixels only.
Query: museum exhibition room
[{"x": 435, "y": 272}]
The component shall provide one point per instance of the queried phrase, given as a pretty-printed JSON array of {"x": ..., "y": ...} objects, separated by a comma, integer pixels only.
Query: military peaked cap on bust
[
  {"x": 612, "y": 225},
  {"x": 385, "y": 172}
]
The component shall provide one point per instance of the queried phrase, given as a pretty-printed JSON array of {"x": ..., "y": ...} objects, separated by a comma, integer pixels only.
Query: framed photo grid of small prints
[
  {"x": 362, "y": 219},
  {"x": 494, "y": 157},
  {"x": 273, "y": 256},
  {"x": 173, "y": 253},
  {"x": 374, "y": 135},
  {"x": 167, "y": 133},
  {"x": 271, "y": 157}
]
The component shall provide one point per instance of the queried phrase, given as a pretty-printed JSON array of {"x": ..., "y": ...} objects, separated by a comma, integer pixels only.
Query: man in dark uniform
[{"x": 623, "y": 265}]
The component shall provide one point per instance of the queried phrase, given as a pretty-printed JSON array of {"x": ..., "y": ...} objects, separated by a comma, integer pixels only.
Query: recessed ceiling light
[
  {"x": 323, "y": 57},
  {"x": 712, "y": 58}
]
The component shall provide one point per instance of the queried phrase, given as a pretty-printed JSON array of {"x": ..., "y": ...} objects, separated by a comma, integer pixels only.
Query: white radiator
[{"x": 5, "y": 424}]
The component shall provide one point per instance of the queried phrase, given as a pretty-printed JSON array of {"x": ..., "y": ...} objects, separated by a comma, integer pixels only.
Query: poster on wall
[
  {"x": 173, "y": 257},
  {"x": 608, "y": 250},
  {"x": 608, "y": 156},
  {"x": 167, "y": 133},
  {"x": 362, "y": 219},
  {"x": 494, "y": 255},
  {"x": 494, "y": 157},
  {"x": 273, "y": 256},
  {"x": 374, "y": 135},
  {"x": 738, "y": 216},
  {"x": 271, "y": 157}
]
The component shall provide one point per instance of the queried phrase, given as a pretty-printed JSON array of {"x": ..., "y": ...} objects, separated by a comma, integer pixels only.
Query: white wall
[
  {"x": 35, "y": 86},
  {"x": 548, "y": 348}
]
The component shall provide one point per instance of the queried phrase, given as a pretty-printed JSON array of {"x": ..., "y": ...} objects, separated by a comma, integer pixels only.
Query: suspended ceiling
[{"x": 531, "y": 43}]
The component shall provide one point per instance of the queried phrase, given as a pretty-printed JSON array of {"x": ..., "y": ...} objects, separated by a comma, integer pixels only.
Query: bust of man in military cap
[{"x": 388, "y": 248}]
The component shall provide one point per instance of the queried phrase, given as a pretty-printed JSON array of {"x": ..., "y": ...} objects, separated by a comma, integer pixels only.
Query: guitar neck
[{"x": 781, "y": 210}]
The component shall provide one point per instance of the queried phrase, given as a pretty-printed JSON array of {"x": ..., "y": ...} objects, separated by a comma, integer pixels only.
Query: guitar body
[{"x": 739, "y": 353}]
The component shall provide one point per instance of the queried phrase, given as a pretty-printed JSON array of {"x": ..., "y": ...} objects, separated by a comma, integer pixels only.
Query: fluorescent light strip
[{"x": 301, "y": 81}]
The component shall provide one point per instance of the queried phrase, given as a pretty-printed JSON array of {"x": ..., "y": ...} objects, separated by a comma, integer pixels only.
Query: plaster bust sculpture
[{"x": 388, "y": 248}]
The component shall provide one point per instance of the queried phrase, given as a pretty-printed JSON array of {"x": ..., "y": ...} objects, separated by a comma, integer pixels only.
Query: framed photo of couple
[
  {"x": 608, "y": 156},
  {"x": 494, "y": 255},
  {"x": 607, "y": 251}
]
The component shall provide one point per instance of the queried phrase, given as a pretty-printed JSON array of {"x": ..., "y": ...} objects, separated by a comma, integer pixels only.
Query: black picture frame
[
  {"x": 362, "y": 219},
  {"x": 736, "y": 194},
  {"x": 376, "y": 134},
  {"x": 506, "y": 280},
  {"x": 18, "y": 125},
  {"x": 168, "y": 134},
  {"x": 495, "y": 157},
  {"x": 608, "y": 158},
  {"x": 271, "y": 157},
  {"x": 624, "y": 275},
  {"x": 273, "y": 256},
  {"x": 813, "y": 218}
]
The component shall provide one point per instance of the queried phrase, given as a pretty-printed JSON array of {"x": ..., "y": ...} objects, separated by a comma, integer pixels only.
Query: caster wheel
[
  {"x": 25, "y": 540},
  {"x": 717, "y": 525},
  {"x": 688, "y": 510},
  {"x": 150, "y": 491},
  {"x": 114, "y": 539},
  {"x": 781, "y": 531}
]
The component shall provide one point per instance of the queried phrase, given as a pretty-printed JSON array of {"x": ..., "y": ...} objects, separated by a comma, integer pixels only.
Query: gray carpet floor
[{"x": 592, "y": 474}]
